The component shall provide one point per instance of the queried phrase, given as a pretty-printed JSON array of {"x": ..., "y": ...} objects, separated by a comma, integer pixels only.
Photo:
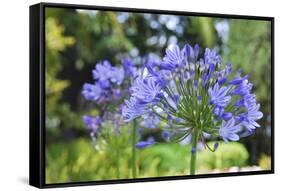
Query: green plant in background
[
  {"x": 78, "y": 161},
  {"x": 114, "y": 145},
  {"x": 227, "y": 155},
  {"x": 56, "y": 43},
  {"x": 265, "y": 162}
]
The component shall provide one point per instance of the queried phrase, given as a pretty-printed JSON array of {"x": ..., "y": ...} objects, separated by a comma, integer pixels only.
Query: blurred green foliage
[
  {"x": 249, "y": 48},
  {"x": 57, "y": 112},
  {"x": 77, "y": 39},
  {"x": 86, "y": 162},
  {"x": 228, "y": 155},
  {"x": 265, "y": 162}
]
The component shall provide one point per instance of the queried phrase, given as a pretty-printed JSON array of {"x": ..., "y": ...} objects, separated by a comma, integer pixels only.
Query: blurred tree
[{"x": 56, "y": 43}]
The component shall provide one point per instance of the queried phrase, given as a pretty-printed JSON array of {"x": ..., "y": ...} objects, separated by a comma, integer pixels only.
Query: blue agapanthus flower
[
  {"x": 229, "y": 131},
  {"x": 133, "y": 109},
  {"x": 146, "y": 90},
  {"x": 219, "y": 95},
  {"x": 92, "y": 91},
  {"x": 192, "y": 94},
  {"x": 106, "y": 73},
  {"x": 93, "y": 124},
  {"x": 107, "y": 89},
  {"x": 129, "y": 67},
  {"x": 143, "y": 144},
  {"x": 108, "y": 80},
  {"x": 173, "y": 59}
]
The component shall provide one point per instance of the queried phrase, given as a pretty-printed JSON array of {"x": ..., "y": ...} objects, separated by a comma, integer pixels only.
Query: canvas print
[{"x": 131, "y": 95}]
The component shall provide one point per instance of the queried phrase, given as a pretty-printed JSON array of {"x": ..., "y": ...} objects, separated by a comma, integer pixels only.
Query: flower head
[
  {"x": 173, "y": 59},
  {"x": 91, "y": 92},
  {"x": 249, "y": 119},
  {"x": 102, "y": 71},
  {"x": 106, "y": 73},
  {"x": 188, "y": 93},
  {"x": 229, "y": 131},
  {"x": 133, "y": 109},
  {"x": 106, "y": 90},
  {"x": 218, "y": 95},
  {"x": 212, "y": 57},
  {"x": 146, "y": 90},
  {"x": 108, "y": 80},
  {"x": 129, "y": 67},
  {"x": 191, "y": 54},
  {"x": 117, "y": 75}
]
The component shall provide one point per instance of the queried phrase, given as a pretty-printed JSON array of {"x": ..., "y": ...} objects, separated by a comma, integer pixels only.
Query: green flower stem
[
  {"x": 134, "y": 142},
  {"x": 193, "y": 153}
]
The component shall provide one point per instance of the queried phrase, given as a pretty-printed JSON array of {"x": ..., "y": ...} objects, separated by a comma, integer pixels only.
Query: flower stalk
[
  {"x": 195, "y": 136},
  {"x": 134, "y": 142}
]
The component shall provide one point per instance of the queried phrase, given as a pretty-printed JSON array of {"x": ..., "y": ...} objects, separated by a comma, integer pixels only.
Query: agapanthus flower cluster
[
  {"x": 107, "y": 89},
  {"x": 188, "y": 92},
  {"x": 112, "y": 84},
  {"x": 107, "y": 83}
]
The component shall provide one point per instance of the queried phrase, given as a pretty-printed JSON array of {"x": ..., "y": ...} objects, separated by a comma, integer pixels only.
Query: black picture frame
[{"x": 37, "y": 94}]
